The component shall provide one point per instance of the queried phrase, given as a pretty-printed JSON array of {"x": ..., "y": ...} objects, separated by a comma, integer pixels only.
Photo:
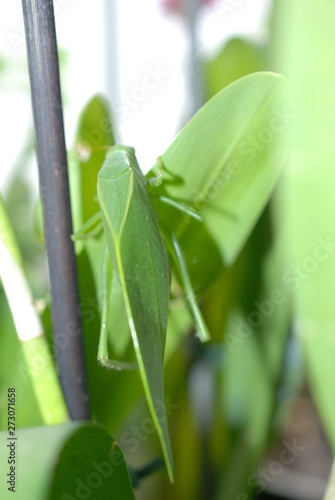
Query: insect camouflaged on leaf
[{"x": 136, "y": 249}]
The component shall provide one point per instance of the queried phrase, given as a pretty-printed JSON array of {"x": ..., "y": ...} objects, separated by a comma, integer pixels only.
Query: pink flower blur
[{"x": 177, "y": 5}]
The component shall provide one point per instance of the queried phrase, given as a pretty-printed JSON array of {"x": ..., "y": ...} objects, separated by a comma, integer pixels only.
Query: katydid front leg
[
  {"x": 157, "y": 181},
  {"x": 88, "y": 230}
]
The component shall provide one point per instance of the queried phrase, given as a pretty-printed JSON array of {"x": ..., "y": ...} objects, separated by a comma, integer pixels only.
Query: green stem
[{"x": 29, "y": 327}]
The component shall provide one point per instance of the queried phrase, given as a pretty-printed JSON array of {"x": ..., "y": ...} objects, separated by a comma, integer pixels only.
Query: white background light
[{"x": 147, "y": 38}]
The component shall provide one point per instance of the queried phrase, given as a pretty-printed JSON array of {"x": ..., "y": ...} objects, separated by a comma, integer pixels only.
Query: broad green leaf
[
  {"x": 224, "y": 164},
  {"x": 66, "y": 462},
  {"x": 303, "y": 48}
]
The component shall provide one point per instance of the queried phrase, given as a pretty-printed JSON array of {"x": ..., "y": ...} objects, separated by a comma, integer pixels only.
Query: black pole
[{"x": 54, "y": 188}]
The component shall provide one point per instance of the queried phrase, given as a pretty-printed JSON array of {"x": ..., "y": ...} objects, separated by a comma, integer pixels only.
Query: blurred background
[
  {"x": 112, "y": 55},
  {"x": 232, "y": 418}
]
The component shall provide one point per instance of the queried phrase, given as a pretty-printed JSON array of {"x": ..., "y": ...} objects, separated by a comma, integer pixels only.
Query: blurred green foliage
[{"x": 225, "y": 400}]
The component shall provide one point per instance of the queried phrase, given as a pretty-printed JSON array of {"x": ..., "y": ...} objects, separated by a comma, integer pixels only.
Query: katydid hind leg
[
  {"x": 179, "y": 259},
  {"x": 106, "y": 283},
  {"x": 181, "y": 207}
]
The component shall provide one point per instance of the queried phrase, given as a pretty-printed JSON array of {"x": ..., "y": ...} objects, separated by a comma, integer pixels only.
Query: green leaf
[
  {"x": 30, "y": 331},
  {"x": 238, "y": 58},
  {"x": 65, "y": 462},
  {"x": 304, "y": 54},
  {"x": 224, "y": 164},
  {"x": 244, "y": 412},
  {"x": 14, "y": 372},
  {"x": 94, "y": 135}
]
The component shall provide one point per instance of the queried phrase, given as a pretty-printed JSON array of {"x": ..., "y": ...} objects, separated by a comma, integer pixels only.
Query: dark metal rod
[{"x": 42, "y": 53}]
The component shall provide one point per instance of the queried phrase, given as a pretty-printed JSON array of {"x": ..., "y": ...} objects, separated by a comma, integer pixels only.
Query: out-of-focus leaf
[
  {"x": 38, "y": 228},
  {"x": 274, "y": 305},
  {"x": 94, "y": 136},
  {"x": 241, "y": 284},
  {"x": 238, "y": 58},
  {"x": 303, "y": 48},
  {"x": 179, "y": 324},
  {"x": 14, "y": 373},
  {"x": 74, "y": 460},
  {"x": 244, "y": 375},
  {"x": 19, "y": 204}
]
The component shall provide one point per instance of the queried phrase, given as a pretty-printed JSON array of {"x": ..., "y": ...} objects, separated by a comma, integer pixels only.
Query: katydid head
[{"x": 118, "y": 161}]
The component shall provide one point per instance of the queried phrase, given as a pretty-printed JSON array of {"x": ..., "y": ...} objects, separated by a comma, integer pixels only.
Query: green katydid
[{"x": 137, "y": 253}]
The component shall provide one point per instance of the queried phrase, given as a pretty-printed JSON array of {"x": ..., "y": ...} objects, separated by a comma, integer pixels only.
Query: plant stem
[
  {"x": 54, "y": 187},
  {"x": 40, "y": 367}
]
